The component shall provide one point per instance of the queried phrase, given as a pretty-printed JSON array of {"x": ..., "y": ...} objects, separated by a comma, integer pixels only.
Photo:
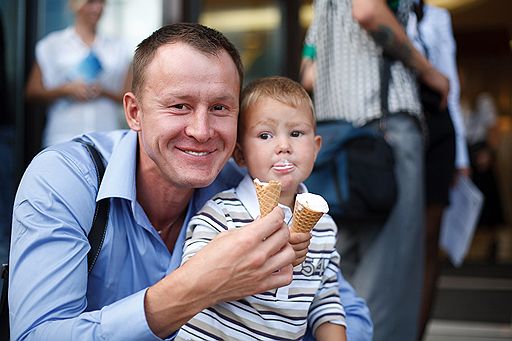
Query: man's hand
[
  {"x": 237, "y": 263},
  {"x": 300, "y": 243}
]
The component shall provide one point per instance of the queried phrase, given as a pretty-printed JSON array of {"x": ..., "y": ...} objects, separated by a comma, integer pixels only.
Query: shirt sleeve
[
  {"x": 311, "y": 38},
  {"x": 326, "y": 306},
  {"x": 48, "y": 261},
  {"x": 448, "y": 65},
  {"x": 357, "y": 315}
]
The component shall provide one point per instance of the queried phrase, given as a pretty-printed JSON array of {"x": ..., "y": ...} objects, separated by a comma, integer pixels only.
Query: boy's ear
[
  {"x": 318, "y": 144},
  {"x": 239, "y": 156}
]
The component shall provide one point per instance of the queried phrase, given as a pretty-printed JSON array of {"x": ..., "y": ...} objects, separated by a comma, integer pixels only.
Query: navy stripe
[
  {"x": 245, "y": 221},
  {"x": 269, "y": 312},
  {"x": 219, "y": 223},
  {"x": 188, "y": 325},
  {"x": 272, "y": 337}
]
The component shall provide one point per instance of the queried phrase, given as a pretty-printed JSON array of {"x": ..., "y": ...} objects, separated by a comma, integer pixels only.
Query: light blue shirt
[{"x": 51, "y": 295}]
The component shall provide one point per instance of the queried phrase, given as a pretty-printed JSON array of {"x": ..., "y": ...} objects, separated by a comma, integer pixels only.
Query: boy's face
[{"x": 278, "y": 142}]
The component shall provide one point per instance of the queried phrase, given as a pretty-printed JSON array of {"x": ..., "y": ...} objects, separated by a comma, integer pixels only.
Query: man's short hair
[
  {"x": 278, "y": 88},
  {"x": 202, "y": 38}
]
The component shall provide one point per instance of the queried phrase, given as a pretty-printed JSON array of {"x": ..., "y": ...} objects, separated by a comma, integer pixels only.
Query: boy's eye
[
  {"x": 296, "y": 133},
  {"x": 265, "y": 136}
]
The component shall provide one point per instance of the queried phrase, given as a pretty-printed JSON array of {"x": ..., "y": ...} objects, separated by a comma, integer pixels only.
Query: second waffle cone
[{"x": 304, "y": 219}]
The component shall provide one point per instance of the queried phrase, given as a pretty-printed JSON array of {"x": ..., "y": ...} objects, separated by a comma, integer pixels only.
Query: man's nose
[{"x": 199, "y": 126}]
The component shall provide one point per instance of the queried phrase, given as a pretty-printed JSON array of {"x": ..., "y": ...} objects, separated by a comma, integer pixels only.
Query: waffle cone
[
  {"x": 268, "y": 195},
  {"x": 304, "y": 218}
]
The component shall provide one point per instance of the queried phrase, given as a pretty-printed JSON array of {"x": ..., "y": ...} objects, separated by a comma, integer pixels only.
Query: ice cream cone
[
  {"x": 268, "y": 195},
  {"x": 309, "y": 208}
]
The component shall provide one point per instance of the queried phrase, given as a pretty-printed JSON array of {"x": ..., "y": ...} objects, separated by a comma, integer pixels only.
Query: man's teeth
[{"x": 196, "y": 153}]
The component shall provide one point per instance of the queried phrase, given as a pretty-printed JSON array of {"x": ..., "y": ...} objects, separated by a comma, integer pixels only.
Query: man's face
[{"x": 187, "y": 115}]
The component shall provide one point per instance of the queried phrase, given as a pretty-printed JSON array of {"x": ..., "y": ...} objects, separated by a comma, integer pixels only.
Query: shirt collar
[
  {"x": 247, "y": 194},
  {"x": 119, "y": 178}
]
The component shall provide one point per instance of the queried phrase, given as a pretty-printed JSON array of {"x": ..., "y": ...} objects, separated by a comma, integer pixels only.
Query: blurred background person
[
  {"x": 81, "y": 74},
  {"x": 446, "y": 155},
  {"x": 483, "y": 138},
  {"x": 345, "y": 47}
]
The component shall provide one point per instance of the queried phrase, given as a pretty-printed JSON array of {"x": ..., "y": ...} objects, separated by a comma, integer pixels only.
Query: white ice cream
[{"x": 314, "y": 202}]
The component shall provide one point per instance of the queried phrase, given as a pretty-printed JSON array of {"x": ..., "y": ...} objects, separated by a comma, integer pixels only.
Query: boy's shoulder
[
  {"x": 222, "y": 201},
  {"x": 227, "y": 194}
]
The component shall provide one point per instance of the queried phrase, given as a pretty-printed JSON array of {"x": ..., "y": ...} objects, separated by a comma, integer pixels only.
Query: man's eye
[
  {"x": 179, "y": 106},
  {"x": 218, "y": 107},
  {"x": 265, "y": 136},
  {"x": 296, "y": 133}
]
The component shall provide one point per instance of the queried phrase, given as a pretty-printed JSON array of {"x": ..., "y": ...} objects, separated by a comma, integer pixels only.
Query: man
[
  {"x": 183, "y": 116},
  {"x": 343, "y": 61}
]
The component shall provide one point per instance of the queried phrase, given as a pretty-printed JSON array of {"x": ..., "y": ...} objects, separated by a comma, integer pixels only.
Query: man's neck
[{"x": 164, "y": 205}]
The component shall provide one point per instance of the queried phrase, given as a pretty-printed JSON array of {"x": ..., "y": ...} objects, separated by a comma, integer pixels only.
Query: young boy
[{"x": 276, "y": 141}]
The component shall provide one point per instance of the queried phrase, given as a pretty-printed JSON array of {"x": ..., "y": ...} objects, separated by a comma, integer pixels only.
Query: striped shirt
[
  {"x": 311, "y": 299},
  {"x": 347, "y": 84}
]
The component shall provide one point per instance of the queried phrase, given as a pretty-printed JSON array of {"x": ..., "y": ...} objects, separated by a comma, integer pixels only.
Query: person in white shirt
[{"x": 81, "y": 74}]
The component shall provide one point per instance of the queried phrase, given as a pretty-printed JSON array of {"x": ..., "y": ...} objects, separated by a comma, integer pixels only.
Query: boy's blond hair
[{"x": 278, "y": 88}]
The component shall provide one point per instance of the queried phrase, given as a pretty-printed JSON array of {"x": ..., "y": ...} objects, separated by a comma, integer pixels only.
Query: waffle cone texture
[
  {"x": 268, "y": 195},
  {"x": 304, "y": 218}
]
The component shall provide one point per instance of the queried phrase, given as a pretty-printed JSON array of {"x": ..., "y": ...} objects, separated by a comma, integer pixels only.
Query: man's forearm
[{"x": 376, "y": 18}]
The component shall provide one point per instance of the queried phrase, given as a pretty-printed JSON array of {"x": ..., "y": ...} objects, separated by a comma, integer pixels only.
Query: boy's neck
[{"x": 288, "y": 200}]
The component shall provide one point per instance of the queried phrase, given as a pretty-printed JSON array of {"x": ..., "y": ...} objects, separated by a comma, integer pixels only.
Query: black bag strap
[
  {"x": 385, "y": 79},
  {"x": 4, "y": 308},
  {"x": 100, "y": 220}
]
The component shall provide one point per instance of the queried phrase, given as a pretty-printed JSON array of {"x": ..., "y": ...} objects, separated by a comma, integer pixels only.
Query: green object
[
  {"x": 309, "y": 51},
  {"x": 393, "y": 4}
]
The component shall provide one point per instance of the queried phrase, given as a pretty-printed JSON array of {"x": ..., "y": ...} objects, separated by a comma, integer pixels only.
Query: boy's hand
[{"x": 300, "y": 243}]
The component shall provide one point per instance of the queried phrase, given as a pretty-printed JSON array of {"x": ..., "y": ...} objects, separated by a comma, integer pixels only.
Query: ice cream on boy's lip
[{"x": 283, "y": 165}]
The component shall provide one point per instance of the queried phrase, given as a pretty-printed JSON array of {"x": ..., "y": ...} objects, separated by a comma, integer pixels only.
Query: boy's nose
[{"x": 283, "y": 146}]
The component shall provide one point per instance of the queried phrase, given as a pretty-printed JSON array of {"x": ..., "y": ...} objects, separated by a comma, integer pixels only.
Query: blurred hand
[
  {"x": 438, "y": 82},
  {"x": 81, "y": 91},
  {"x": 460, "y": 173}
]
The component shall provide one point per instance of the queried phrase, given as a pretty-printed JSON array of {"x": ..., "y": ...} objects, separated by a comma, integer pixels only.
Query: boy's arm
[
  {"x": 357, "y": 314},
  {"x": 330, "y": 332},
  {"x": 326, "y": 306}
]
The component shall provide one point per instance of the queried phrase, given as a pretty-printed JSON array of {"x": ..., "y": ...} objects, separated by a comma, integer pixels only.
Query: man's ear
[
  {"x": 132, "y": 111},
  {"x": 239, "y": 156}
]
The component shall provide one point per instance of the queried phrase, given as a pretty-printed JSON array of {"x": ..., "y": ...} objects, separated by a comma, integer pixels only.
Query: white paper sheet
[{"x": 460, "y": 220}]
